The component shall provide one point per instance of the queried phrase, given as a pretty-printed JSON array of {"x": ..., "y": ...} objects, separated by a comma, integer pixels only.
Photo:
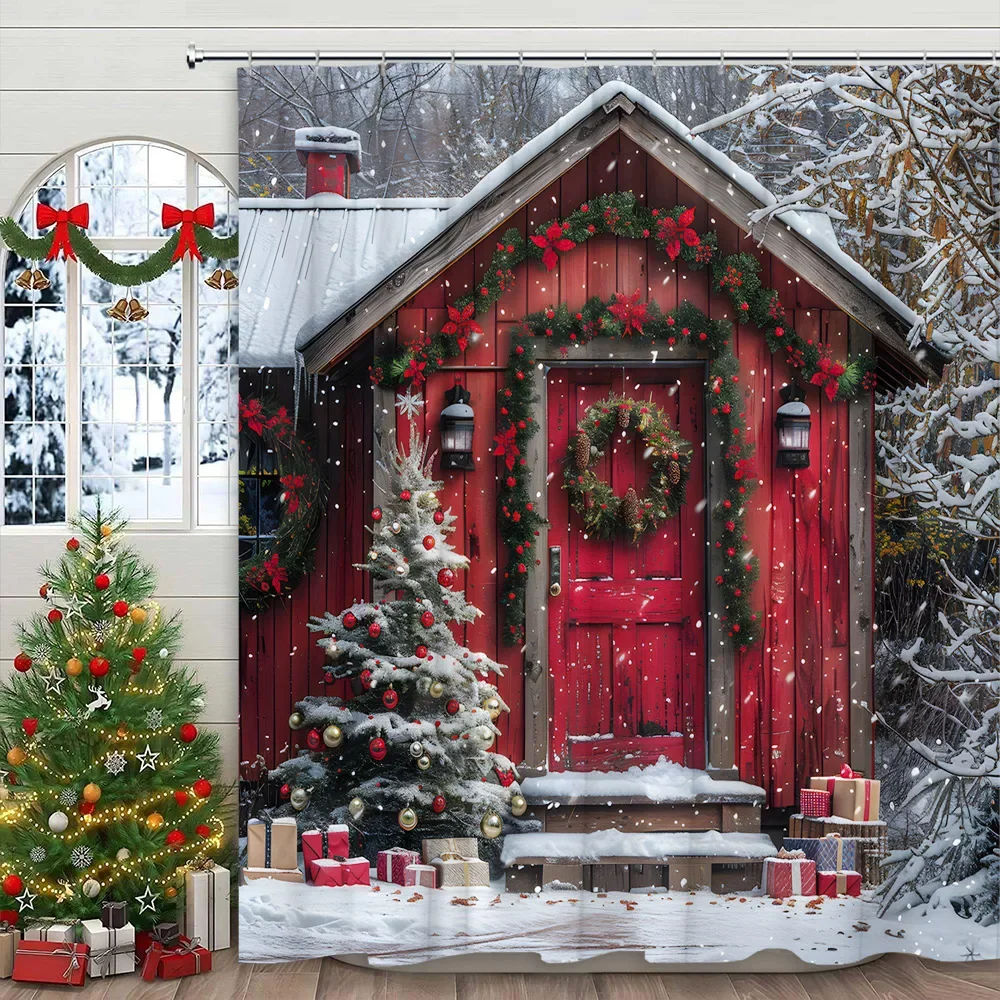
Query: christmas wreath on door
[{"x": 605, "y": 513}]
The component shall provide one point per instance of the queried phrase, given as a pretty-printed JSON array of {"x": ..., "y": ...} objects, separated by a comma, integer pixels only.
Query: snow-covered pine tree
[{"x": 409, "y": 756}]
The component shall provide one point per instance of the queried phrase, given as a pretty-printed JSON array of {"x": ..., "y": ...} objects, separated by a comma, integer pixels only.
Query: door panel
[{"x": 626, "y": 634}]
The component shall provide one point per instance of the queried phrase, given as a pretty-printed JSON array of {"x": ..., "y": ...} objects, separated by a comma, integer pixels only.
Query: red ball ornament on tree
[
  {"x": 176, "y": 838},
  {"x": 13, "y": 885},
  {"x": 405, "y": 495},
  {"x": 203, "y": 831},
  {"x": 286, "y": 792},
  {"x": 429, "y": 542},
  {"x": 181, "y": 797},
  {"x": 120, "y": 609},
  {"x": 99, "y": 666},
  {"x": 377, "y": 748},
  {"x": 188, "y": 732},
  {"x": 350, "y": 620},
  {"x": 22, "y": 663},
  {"x": 439, "y": 517},
  {"x": 427, "y": 619},
  {"x": 453, "y": 706},
  {"x": 202, "y": 788},
  {"x": 86, "y": 808},
  {"x": 55, "y": 616},
  {"x": 366, "y": 678},
  {"x": 374, "y": 630},
  {"x": 376, "y": 514},
  {"x": 43, "y": 590},
  {"x": 313, "y": 739},
  {"x": 390, "y": 699},
  {"x": 445, "y": 577},
  {"x": 72, "y": 545},
  {"x": 30, "y": 727},
  {"x": 420, "y": 651},
  {"x": 102, "y": 581},
  {"x": 139, "y": 654},
  {"x": 439, "y": 804}
]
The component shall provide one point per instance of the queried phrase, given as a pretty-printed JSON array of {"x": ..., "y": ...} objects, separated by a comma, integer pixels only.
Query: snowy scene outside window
[{"x": 138, "y": 413}]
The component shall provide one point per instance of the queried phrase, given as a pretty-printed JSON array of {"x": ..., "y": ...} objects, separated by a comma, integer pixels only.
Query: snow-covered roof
[{"x": 388, "y": 250}]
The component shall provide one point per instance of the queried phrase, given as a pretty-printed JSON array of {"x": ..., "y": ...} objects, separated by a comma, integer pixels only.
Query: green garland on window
[{"x": 154, "y": 266}]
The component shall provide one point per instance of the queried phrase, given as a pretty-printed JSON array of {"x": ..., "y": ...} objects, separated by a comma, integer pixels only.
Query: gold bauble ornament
[
  {"x": 74, "y": 667},
  {"x": 91, "y": 792},
  {"x": 518, "y": 804},
  {"x": 424, "y": 763},
  {"x": 436, "y": 689},
  {"x": 333, "y": 736},
  {"x": 16, "y": 756},
  {"x": 123, "y": 854},
  {"x": 491, "y": 825},
  {"x": 154, "y": 821},
  {"x": 122, "y": 731},
  {"x": 170, "y": 891},
  {"x": 299, "y": 799},
  {"x": 138, "y": 615},
  {"x": 105, "y": 530},
  {"x": 492, "y": 706},
  {"x": 356, "y": 807},
  {"x": 296, "y": 720},
  {"x": 407, "y": 818},
  {"x": 91, "y": 888}
]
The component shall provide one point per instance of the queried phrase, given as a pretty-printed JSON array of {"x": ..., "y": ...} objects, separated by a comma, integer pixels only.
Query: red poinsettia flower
[
  {"x": 461, "y": 324},
  {"x": 280, "y": 419},
  {"x": 629, "y": 311},
  {"x": 292, "y": 483},
  {"x": 415, "y": 370},
  {"x": 251, "y": 412},
  {"x": 828, "y": 375},
  {"x": 506, "y": 447},
  {"x": 672, "y": 231},
  {"x": 552, "y": 240}
]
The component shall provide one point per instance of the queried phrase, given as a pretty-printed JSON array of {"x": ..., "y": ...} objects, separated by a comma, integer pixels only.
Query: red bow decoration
[
  {"x": 630, "y": 311},
  {"x": 292, "y": 484},
  {"x": 203, "y": 215},
  {"x": 828, "y": 375},
  {"x": 552, "y": 240},
  {"x": 847, "y": 772},
  {"x": 461, "y": 324},
  {"x": 672, "y": 231},
  {"x": 46, "y": 215},
  {"x": 252, "y": 413},
  {"x": 506, "y": 446}
]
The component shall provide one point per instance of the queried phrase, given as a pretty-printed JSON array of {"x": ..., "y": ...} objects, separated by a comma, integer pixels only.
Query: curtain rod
[{"x": 196, "y": 55}]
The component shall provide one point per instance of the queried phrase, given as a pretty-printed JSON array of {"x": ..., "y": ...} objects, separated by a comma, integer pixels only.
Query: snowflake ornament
[
  {"x": 154, "y": 719},
  {"x": 68, "y": 797},
  {"x": 409, "y": 404},
  {"x": 36, "y": 855},
  {"x": 81, "y": 857},
  {"x": 115, "y": 762}
]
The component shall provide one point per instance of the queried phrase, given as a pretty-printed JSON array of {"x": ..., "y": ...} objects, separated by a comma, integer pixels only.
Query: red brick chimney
[{"x": 330, "y": 155}]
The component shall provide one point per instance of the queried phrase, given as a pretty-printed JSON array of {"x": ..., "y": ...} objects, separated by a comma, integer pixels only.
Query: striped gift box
[{"x": 816, "y": 802}]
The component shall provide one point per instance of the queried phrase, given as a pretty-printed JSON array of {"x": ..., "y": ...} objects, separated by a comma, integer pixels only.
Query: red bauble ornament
[
  {"x": 328, "y": 677},
  {"x": 13, "y": 885},
  {"x": 452, "y": 706},
  {"x": 286, "y": 792},
  {"x": 420, "y": 651},
  {"x": 86, "y": 808},
  {"x": 22, "y": 663},
  {"x": 181, "y": 797},
  {"x": 439, "y": 804},
  {"x": 188, "y": 732},
  {"x": 427, "y": 619},
  {"x": 350, "y": 620},
  {"x": 377, "y": 748},
  {"x": 99, "y": 666},
  {"x": 72, "y": 545},
  {"x": 405, "y": 495},
  {"x": 43, "y": 590},
  {"x": 203, "y": 831},
  {"x": 439, "y": 517},
  {"x": 377, "y": 514},
  {"x": 202, "y": 788},
  {"x": 366, "y": 678},
  {"x": 55, "y": 616},
  {"x": 429, "y": 542},
  {"x": 313, "y": 739},
  {"x": 175, "y": 838},
  {"x": 30, "y": 727},
  {"x": 102, "y": 581},
  {"x": 374, "y": 630},
  {"x": 445, "y": 577},
  {"x": 120, "y": 609},
  {"x": 390, "y": 699},
  {"x": 139, "y": 654}
]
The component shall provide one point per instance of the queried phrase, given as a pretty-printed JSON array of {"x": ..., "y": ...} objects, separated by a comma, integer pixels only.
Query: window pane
[
  {"x": 18, "y": 446},
  {"x": 98, "y": 445},
  {"x": 17, "y": 508},
  {"x": 167, "y": 167},
  {"x": 131, "y": 211},
  {"x": 102, "y": 210},
  {"x": 95, "y": 166},
  {"x": 131, "y": 164},
  {"x": 158, "y": 197},
  {"x": 50, "y": 501}
]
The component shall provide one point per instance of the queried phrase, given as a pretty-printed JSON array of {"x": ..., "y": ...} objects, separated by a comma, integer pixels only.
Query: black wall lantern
[
  {"x": 792, "y": 422},
  {"x": 457, "y": 424}
]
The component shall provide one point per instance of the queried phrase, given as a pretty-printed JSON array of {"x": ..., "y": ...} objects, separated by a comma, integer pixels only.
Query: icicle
[{"x": 300, "y": 374}]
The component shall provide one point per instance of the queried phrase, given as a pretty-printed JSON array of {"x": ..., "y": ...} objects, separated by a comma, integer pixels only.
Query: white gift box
[
  {"x": 206, "y": 907},
  {"x": 112, "y": 949},
  {"x": 46, "y": 930}
]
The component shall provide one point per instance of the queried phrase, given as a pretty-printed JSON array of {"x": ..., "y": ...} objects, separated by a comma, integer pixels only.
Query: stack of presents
[
  {"x": 272, "y": 852},
  {"x": 67, "y": 953},
  {"x": 836, "y": 843}
]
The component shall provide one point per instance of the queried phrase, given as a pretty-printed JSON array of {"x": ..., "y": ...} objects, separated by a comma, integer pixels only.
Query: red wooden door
[{"x": 627, "y": 633}]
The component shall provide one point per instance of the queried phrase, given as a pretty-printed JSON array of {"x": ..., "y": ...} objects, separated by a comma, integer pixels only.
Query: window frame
[{"x": 189, "y": 519}]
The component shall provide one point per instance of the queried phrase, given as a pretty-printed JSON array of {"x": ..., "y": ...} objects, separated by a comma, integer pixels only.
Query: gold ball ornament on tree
[
  {"x": 491, "y": 825},
  {"x": 138, "y": 616},
  {"x": 154, "y": 822},
  {"x": 333, "y": 736},
  {"x": 123, "y": 854},
  {"x": 356, "y": 807},
  {"x": 16, "y": 756},
  {"x": 170, "y": 892},
  {"x": 407, "y": 818},
  {"x": 416, "y": 749},
  {"x": 299, "y": 799},
  {"x": 91, "y": 792},
  {"x": 296, "y": 720},
  {"x": 105, "y": 531},
  {"x": 424, "y": 763},
  {"x": 91, "y": 888},
  {"x": 518, "y": 804},
  {"x": 436, "y": 689},
  {"x": 74, "y": 667},
  {"x": 492, "y": 705}
]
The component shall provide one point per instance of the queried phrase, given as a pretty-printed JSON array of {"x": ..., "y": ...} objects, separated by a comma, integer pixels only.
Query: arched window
[{"x": 140, "y": 413}]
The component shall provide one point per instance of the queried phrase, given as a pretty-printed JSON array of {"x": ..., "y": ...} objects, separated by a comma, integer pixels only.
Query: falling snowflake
[
  {"x": 68, "y": 797},
  {"x": 81, "y": 857},
  {"x": 154, "y": 719},
  {"x": 36, "y": 855},
  {"x": 115, "y": 762},
  {"x": 409, "y": 404}
]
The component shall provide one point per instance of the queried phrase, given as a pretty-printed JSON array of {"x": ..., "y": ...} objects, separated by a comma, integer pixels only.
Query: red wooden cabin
[{"x": 629, "y": 662}]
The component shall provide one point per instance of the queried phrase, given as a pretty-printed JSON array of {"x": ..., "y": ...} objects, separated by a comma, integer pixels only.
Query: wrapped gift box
[
  {"x": 831, "y": 853},
  {"x": 453, "y": 870},
  {"x": 167, "y": 933},
  {"x": 9, "y": 940},
  {"x": 816, "y": 802},
  {"x": 114, "y": 914},
  {"x": 789, "y": 876},
  {"x": 112, "y": 949},
  {"x": 272, "y": 844},
  {"x": 423, "y": 875},
  {"x": 50, "y": 930},
  {"x": 436, "y": 847},
  {"x": 339, "y": 871},
  {"x": 57, "y": 962},
  {"x": 206, "y": 906},
  {"x": 853, "y": 796},
  {"x": 390, "y": 864},
  {"x": 333, "y": 842},
  {"x": 280, "y": 874},
  {"x": 838, "y": 883},
  {"x": 188, "y": 958}
]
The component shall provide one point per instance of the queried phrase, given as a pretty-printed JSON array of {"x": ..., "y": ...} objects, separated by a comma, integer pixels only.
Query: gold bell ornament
[
  {"x": 24, "y": 280},
  {"x": 214, "y": 280},
  {"x": 136, "y": 311},
  {"x": 229, "y": 280},
  {"x": 39, "y": 281},
  {"x": 119, "y": 311}
]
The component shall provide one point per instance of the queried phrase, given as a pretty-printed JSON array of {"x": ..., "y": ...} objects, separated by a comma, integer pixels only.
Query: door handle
[{"x": 555, "y": 570}]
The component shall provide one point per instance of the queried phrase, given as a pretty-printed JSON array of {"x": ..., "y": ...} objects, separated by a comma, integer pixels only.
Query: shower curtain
[{"x": 644, "y": 420}]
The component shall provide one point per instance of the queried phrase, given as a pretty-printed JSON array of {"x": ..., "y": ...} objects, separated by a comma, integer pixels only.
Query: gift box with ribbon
[
  {"x": 390, "y": 864},
  {"x": 114, "y": 914},
  {"x": 112, "y": 949},
  {"x": 186, "y": 958},
  {"x": 437, "y": 847},
  {"x": 831, "y": 853},
  {"x": 57, "y": 962},
  {"x": 279, "y": 874},
  {"x": 50, "y": 930},
  {"x": 457, "y": 870},
  {"x": 791, "y": 873},
  {"x": 422, "y": 875},
  {"x": 206, "y": 905},
  {"x": 339, "y": 871},
  {"x": 854, "y": 796},
  {"x": 846, "y": 883},
  {"x": 10, "y": 938},
  {"x": 333, "y": 842},
  {"x": 272, "y": 843},
  {"x": 166, "y": 933},
  {"x": 815, "y": 801}
]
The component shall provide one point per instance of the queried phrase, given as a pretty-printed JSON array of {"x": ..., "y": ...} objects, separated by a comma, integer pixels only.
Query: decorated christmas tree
[
  {"x": 409, "y": 756},
  {"x": 109, "y": 792}
]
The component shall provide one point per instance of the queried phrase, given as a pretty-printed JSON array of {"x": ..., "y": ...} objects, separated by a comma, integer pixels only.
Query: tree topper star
[
  {"x": 147, "y": 901},
  {"x": 147, "y": 759}
]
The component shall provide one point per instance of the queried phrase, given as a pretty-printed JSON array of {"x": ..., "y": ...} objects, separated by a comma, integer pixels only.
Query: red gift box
[
  {"x": 55, "y": 962},
  {"x": 838, "y": 883},
  {"x": 390, "y": 865},
  {"x": 420, "y": 875},
  {"x": 339, "y": 871},
  {"x": 332, "y": 842},
  {"x": 187, "y": 959},
  {"x": 789, "y": 876},
  {"x": 816, "y": 802}
]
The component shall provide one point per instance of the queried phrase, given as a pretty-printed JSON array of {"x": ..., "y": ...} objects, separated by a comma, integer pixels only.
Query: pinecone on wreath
[
  {"x": 624, "y": 416},
  {"x": 581, "y": 450},
  {"x": 630, "y": 507},
  {"x": 674, "y": 472}
]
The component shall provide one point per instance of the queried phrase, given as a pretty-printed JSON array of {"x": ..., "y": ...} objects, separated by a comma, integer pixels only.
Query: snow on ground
[
  {"x": 645, "y": 844},
  {"x": 395, "y": 925}
]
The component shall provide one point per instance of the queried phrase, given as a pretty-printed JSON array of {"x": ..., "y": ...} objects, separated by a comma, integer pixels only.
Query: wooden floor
[{"x": 895, "y": 977}]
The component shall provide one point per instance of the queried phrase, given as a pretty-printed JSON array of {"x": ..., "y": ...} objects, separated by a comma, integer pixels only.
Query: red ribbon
[
  {"x": 203, "y": 215},
  {"x": 61, "y": 218},
  {"x": 847, "y": 772}
]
